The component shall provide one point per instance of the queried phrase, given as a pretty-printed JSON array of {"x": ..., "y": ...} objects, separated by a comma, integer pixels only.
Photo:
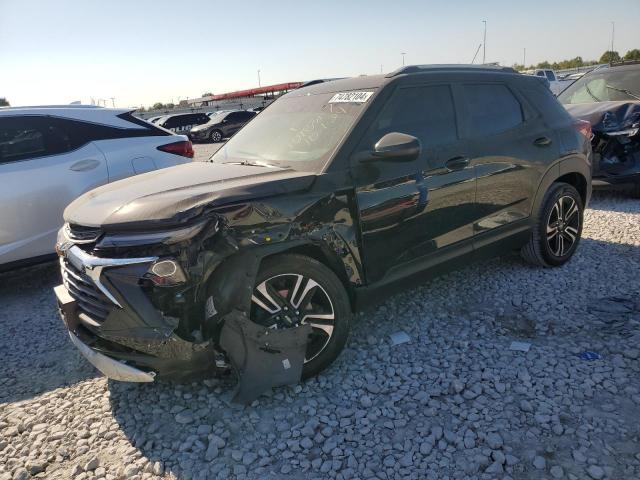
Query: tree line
[{"x": 607, "y": 57}]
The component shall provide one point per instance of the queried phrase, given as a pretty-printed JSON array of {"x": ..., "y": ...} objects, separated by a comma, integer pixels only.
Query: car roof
[
  {"x": 377, "y": 81},
  {"x": 87, "y": 113}
]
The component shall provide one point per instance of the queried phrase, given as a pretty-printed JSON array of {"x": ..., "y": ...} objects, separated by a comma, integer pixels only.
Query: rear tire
[
  {"x": 308, "y": 288},
  {"x": 558, "y": 227}
]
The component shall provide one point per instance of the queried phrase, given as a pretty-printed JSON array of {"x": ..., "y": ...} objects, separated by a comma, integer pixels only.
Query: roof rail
[{"x": 436, "y": 67}]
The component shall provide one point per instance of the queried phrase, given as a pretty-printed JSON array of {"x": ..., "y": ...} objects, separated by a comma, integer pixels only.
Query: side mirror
[{"x": 395, "y": 146}]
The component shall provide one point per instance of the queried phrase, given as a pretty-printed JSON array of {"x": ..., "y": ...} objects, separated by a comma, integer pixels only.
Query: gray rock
[
  {"x": 595, "y": 472},
  {"x": 539, "y": 462},
  {"x": 494, "y": 440},
  {"x": 556, "y": 471}
]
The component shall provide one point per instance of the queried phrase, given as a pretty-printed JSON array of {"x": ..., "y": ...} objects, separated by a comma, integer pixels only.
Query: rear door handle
[
  {"x": 456, "y": 163},
  {"x": 542, "y": 141}
]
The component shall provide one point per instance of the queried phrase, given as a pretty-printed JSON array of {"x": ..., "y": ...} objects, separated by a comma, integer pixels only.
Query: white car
[
  {"x": 555, "y": 85},
  {"x": 51, "y": 155}
]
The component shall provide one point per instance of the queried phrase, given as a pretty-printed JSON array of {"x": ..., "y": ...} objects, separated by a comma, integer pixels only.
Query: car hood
[
  {"x": 172, "y": 196},
  {"x": 607, "y": 116}
]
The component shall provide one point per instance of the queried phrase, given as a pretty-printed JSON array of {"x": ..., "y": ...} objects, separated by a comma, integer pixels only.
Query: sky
[{"x": 141, "y": 51}]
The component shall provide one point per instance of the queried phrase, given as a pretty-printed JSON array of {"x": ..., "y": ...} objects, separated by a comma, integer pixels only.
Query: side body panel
[{"x": 34, "y": 194}]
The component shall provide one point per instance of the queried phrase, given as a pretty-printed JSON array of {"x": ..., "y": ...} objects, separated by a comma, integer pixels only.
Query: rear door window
[
  {"x": 28, "y": 137},
  {"x": 490, "y": 109},
  {"x": 550, "y": 76},
  {"x": 426, "y": 112}
]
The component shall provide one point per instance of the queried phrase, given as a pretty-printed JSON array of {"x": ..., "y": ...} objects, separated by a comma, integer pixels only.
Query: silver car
[{"x": 51, "y": 155}]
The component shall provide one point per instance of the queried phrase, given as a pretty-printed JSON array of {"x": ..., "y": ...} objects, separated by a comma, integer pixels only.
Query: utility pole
[
  {"x": 613, "y": 31},
  {"x": 113, "y": 102},
  {"x": 484, "y": 43},
  {"x": 403, "y": 54},
  {"x": 259, "y": 78}
]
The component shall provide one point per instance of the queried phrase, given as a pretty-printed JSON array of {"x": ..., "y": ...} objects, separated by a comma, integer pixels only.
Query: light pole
[
  {"x": 484, "y": 42},
  {"x": 403, "y": 54},
  {"x": 613, "y": 31},
  {"x": 259, "y": 78}
]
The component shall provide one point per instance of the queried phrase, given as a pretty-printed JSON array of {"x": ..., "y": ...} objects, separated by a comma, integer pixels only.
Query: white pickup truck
[{"x": 555, "y": 84}]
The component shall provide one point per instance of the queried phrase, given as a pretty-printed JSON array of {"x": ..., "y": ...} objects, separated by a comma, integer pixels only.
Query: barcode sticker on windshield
[{"x": 350, "y": 97}]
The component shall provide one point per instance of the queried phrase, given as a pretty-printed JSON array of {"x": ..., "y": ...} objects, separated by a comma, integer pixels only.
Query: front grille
[
  {"x": 89, "y": 299},
  {"x": 82, "y": 234}
]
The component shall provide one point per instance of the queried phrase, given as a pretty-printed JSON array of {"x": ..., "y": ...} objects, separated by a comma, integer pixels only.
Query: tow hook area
[{"x": 262, "y": 358}]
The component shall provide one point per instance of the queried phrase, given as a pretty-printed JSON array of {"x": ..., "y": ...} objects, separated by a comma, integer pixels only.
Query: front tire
[
  {"x": 293, "y": 289},
  {"x": 558, "y": 227},
  {"x": 215, "y": 136}
]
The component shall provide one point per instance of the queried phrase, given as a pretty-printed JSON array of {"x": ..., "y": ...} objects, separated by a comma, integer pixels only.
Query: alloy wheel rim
[
  {"x": 289, "y": 300},
  {"x": 563, "y": 226},
  {"x": 216, "y": 136}
]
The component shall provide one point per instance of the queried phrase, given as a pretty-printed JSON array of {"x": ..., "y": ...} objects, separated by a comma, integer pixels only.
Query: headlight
[
  {"x": 166, "y": 237},
  {"x": 165, "y": 273}
]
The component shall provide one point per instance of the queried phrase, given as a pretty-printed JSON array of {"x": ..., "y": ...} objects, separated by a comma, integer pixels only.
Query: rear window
[
  {"x": 491, "y": 109},
  {"x": 20, "y": 140},
  {"x": 550, "y": 76}
]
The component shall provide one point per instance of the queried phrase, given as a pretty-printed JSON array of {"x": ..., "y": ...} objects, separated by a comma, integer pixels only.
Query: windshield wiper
[
  {"x": 591, "y": 93},
  {"x": 623, "y": 90}
]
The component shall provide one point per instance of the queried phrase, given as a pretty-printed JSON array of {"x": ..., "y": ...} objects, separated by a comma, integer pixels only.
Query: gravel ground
[{"x": 455, "y": 402}]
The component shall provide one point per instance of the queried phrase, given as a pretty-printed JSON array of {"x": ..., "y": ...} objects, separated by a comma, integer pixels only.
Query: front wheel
[
  {"x": 294, "y": 289},
  {"x": 558, "y": 227},
  {"x": 216, "y": 136}
]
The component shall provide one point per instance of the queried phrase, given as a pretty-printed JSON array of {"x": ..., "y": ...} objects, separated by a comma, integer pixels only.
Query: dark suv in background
[
  {"x": 222, "y": 125},
  {"x": 182, "y": 122},
  {"x": 609, "y": 99},
  {"x": 314, "y": 209}
]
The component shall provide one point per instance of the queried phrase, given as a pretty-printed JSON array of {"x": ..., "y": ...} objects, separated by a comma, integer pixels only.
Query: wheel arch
[{"x": 574, "y": 171}]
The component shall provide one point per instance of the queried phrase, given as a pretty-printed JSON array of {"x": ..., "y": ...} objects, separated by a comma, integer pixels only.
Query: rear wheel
[
  {"x": 292, "y": 290},
  {"x": 216, "y": 136},
  {"x": 558, "y": 227}
]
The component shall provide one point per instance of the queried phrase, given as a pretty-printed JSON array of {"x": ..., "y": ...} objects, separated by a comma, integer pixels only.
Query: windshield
[
  {"x": 299, "y": 132},
  {"x": 604, "y": 85}
]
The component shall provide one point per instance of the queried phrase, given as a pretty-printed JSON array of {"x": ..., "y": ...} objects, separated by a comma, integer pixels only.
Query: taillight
[
  {"x": 584, "y": 128},
  {"x": 184, "y": 149}
]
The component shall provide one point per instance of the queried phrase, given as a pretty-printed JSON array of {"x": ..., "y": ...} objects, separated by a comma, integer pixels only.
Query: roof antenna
[{"x": 474, "y": 57}]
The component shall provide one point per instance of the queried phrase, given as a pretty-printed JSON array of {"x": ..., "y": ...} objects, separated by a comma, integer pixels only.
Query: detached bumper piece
[
  {"x": 263, "y": 358},
  {"x": 110, "y": 367}
]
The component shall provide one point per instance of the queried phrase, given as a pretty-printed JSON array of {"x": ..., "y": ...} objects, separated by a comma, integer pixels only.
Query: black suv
[
  {"x": 182, "y": 122},
  {"x": 330, "y": 195},
  {"x": 221, "y": 126}
]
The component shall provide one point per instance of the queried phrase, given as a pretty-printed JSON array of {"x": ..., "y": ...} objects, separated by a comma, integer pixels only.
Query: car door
[
  {"x": 233, "y": 123},
  {"x": 42, "y": 169},
  {"x": 411, "y": 211},
  {"x": 510, "y": 149}
]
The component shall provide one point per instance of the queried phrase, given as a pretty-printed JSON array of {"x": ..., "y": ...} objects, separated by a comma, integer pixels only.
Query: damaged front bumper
[
  {"x": 108, "y": 313},
  {"x": 115, "y": 326}
]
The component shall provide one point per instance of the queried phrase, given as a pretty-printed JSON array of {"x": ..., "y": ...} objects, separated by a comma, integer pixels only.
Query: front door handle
[
  {"x": 542, "y": 141},
  {"x": 85, "y": 165},
  {"x": 456, "y": 163}
]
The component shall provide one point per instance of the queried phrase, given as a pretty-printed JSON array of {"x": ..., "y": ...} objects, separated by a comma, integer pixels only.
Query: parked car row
[{"x": 312, "y": 209}]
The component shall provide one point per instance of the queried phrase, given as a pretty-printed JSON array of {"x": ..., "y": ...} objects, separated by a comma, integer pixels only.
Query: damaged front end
[
  {"x": 175, "y": 303},
  {"x": 615, "y": 141}
]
